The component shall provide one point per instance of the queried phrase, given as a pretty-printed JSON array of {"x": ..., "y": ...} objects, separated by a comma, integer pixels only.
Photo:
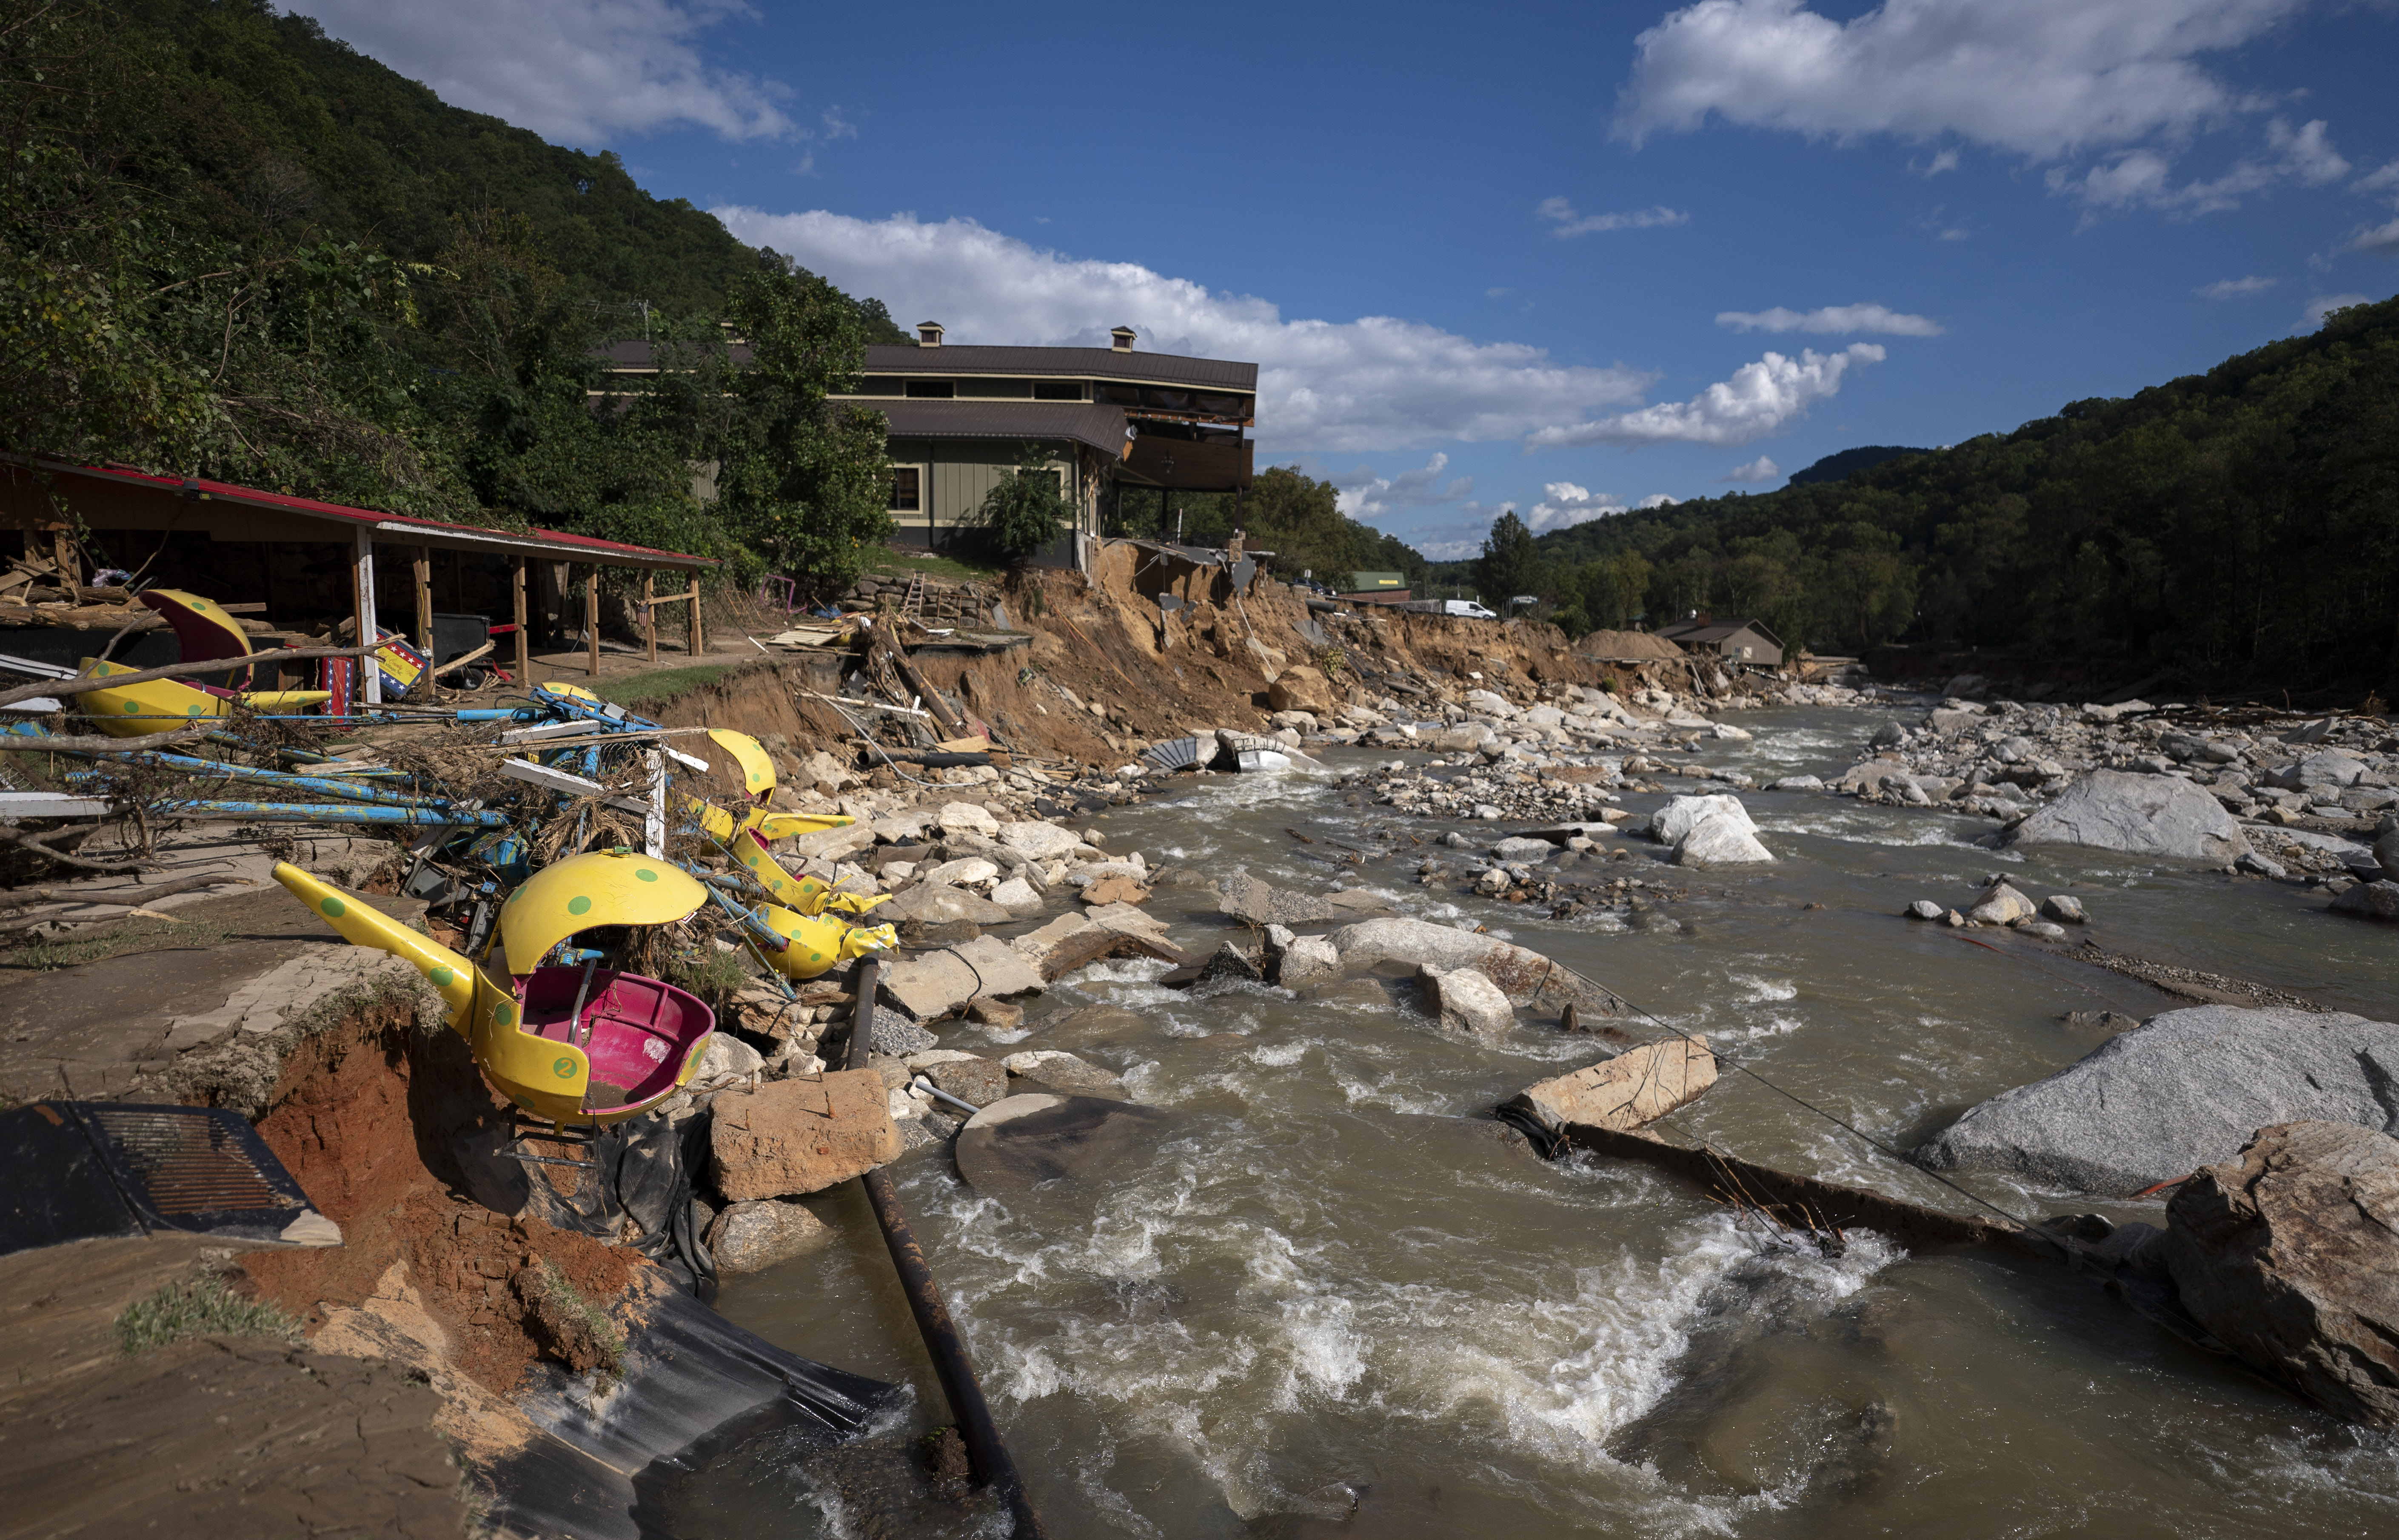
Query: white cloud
[
  {"x": 2043, "y": 78},
  {"x": 2322, "y": 305},
  {"x": 1759, "y": 397},
  {"x": 1570, "y": 223},
  {"x": 1831, "y": 318},
  {"x": 1376, "y": 382},
  {"x": 1365, "y": 494},
  {"x": 1449, "y": 551},
  {"x": 580, "y": 72},
  {"x": 1763, "y": 469},
  {"x": 1569, "y": 504},
  {"x": 2386, "y": 180},
  {"x": 2050, "y": 80},
  {"x": 2145, "y": 176},
  {"x": 2382, "y": 240},
  {"x": 2233, "y": 289},
  {"x": 1946, "y": 160}
]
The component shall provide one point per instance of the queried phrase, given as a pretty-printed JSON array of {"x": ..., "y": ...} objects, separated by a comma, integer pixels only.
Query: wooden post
[
  {"x": 424, "y": 572},
  {"x": 591, "y": 617},
  {"x": 524, "y": 643},
  {"x": 362, "y": 603},
  {"x": 650, "y": 610},
  {"x": 692, "y": 641}
]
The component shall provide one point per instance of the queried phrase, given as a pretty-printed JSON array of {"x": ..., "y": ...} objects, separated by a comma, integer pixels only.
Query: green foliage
[
  {"x": 1511, "y": 563},
  {"x": 1024, "y": 510},
  {"x": 204, "y": 1307},
  {"x": 666, "y": 685},
  {"x": 232, "y": 247},
  {"x": 2236, "y": 525},
  {"x": 1287, "y": 512}
]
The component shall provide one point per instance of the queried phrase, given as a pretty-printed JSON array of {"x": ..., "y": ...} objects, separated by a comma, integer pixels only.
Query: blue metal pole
[{"x": 269, "y": 812}]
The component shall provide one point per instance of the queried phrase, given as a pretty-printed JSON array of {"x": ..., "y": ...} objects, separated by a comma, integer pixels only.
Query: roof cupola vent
[
  {"x": 928, "y": 333},
  {"x": 1121, "y": 338}
]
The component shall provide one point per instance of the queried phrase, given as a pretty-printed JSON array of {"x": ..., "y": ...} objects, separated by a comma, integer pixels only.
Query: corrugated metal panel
[{"x": 1105, "y": 362}]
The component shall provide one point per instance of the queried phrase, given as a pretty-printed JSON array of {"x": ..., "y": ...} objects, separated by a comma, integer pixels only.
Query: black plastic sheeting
[
  {"x": 641, "y": 1174},
  {"x": 694, "y": 1384},
  {"x": 80, "y": 1171}
]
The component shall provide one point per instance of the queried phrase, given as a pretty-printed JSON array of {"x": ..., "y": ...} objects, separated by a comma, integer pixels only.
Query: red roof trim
[{"x": 227, "y": 492}]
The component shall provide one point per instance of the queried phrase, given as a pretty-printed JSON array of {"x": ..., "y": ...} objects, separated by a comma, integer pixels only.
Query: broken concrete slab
[
  {"x": 1633, "y": 1089},
  {"x": 939, "y": 982},
  {"x": 936, "y": 903},
  {"x": 1066, "y": 1071},
  {"x": 1259, "y": 904}
]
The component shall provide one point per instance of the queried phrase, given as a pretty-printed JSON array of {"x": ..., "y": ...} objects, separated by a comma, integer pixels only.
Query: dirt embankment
[
  {"x": 1155, "y": 673},
  {"x": 366, "y": 1118}
]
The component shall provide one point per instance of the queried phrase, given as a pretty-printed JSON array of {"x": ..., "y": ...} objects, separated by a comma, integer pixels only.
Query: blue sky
[{"x": 1558, "y": 259}]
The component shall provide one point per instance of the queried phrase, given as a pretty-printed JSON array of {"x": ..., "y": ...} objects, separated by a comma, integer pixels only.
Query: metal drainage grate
[{"x": 190, "y": 1165}]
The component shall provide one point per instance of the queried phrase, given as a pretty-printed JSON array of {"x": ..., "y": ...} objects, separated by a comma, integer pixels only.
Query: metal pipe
[
  {"x": 986, "y": 1455},
  {"x": 356, "y": 812}
]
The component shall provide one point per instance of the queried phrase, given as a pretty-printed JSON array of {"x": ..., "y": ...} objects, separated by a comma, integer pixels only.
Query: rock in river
[
  {"x": 2371, "y": 901},
  {"x": 1526, "y": 977},
  {"x": 2289, "y": 1256},
  {"x": 793, "y": 1136},
  {"x": 1257, "y": 903},
  {"x": 2143, "y": 814},
  {"x": 1633, "y": 1088},
  {"x": 1464, "y": 1000},
  {"x": 2178, "y": 1092},
  {"x": 749, "y": 1238}
]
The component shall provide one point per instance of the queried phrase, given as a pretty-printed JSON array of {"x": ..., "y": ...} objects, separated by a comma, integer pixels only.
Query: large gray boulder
[
  {"x": 2180, "y": 1091},
  {"x": 1721, "y": 840},
  {"x": 2289, "y": 1256},
  {"x": 2142, "y": 815},
  {"x": 1681, "y": 815},
  {"x": 2370, "y": 900}
]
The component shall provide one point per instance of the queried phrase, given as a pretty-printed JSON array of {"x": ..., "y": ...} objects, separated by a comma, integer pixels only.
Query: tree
[
  {"x": 1510, "y": 563},
  {"x": 805, "y": 481},
  {"x": 1025, "y": 510}
]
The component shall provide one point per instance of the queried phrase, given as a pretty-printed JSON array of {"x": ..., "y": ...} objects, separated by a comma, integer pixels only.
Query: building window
[
  {"x": 1057, "y": 390},
  {"x": 907, "y": 489},
  {"x": 880, "y": 385},
  {"x": 930, "y": 390}
]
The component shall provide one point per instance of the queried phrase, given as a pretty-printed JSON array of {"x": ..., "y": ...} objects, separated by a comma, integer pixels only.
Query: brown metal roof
[
  {"x": 1714, "y": 630},
  {"x": 1080, "y": 362},
  {"x": 1102, "y": 427}
]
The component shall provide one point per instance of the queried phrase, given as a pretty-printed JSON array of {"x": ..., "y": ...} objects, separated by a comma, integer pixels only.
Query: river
[{"x": 1326, "y": 1301}]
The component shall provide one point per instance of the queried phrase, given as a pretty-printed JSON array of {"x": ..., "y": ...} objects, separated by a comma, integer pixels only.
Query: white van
[{"x": 1467, "y": 608}]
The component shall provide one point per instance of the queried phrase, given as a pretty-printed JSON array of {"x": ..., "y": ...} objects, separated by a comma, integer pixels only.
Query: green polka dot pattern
[
  {"x": 579, "y": 904},
  {"x": 334, "y": 908}
]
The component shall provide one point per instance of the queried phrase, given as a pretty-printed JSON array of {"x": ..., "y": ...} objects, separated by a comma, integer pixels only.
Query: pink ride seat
[{"x": 637, "y": 1031}]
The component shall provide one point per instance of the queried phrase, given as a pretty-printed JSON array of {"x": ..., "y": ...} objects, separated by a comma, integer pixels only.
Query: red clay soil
[{"x": 363, "y": 1118}]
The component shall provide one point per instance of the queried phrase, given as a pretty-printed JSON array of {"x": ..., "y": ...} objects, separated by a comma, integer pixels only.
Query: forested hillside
[
  {"x": 2237, "y": 525},
  {"x": 232, "y": 247}
]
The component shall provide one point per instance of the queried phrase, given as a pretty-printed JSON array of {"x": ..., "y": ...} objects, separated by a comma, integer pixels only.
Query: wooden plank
[
  {"x": 591, "y": 617},
  {"x": 694, "y": 642},
  {"x": 650, "y": 612},
  {"x": 421, "y": 568},
  {"x": 363, "y": 605},
  {"x": 525, "y": 642}
]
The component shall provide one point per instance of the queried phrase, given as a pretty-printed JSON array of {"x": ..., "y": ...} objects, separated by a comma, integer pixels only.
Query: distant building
[
  {"x": 1111, "y": 420},
  {"x": 1735, "y": 640}
]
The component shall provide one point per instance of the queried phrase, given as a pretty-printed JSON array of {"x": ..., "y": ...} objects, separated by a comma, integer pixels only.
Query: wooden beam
[
  {"x": 591, "y": 617},
  {"x": 362, "y": 602},
  {"x": 650, "y": 612},
  {"x": 694, "y": 642},
  {"x": 525, "y": 643},
  {"x": 423, "y": 569}
]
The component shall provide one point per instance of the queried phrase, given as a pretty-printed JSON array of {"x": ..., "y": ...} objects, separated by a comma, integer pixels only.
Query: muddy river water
[{"x": 1326, "y": 1301}]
